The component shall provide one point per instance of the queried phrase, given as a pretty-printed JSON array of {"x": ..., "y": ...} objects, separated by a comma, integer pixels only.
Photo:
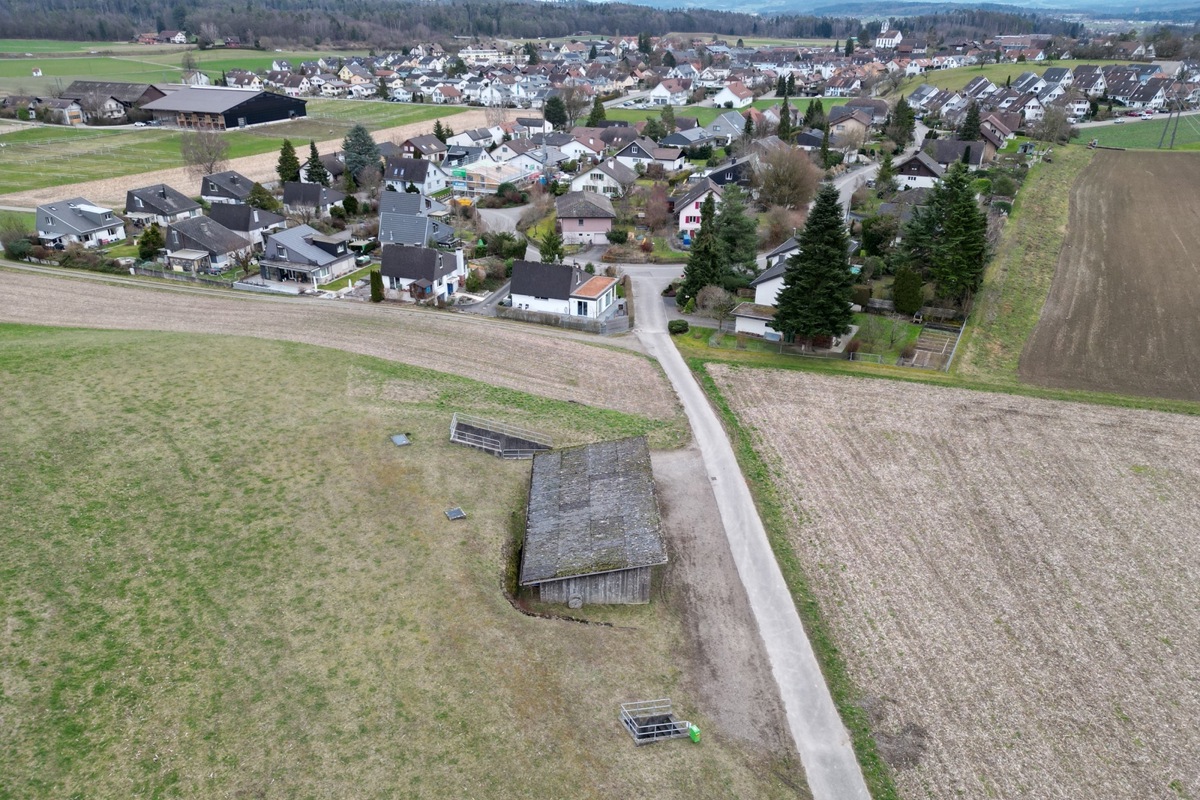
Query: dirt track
[
  {"x": 1121, "y": 315},
  {"x": 111, "y": 191},
  {"x": 504, "y": 354}
]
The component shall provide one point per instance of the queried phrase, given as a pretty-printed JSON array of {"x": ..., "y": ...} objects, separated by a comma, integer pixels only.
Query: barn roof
[{"x": 591, "y": 510}]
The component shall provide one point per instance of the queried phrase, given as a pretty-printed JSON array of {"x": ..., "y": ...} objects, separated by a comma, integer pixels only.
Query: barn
[
  {"x": 592, "y": 527},
  {"x": 220, "y": 108}
]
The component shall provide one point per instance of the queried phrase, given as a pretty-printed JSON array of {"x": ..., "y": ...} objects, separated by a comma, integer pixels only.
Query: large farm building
[{"x": 220, "y": 108}]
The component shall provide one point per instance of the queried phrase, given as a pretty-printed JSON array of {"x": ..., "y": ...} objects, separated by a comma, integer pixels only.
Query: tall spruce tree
[
  {"x": 885, "y": 179},
  {"x": 903, "y": 123},
  {"x": 817, "y": 282},
  {"x": 814, "y": 115},
  {"x": 785, "y": 121},
  {"x": 288, "y": 166},
  {"x": 555, "y": 111},
  {"x": 748, "y": 128},
  {"x": 706, "y": 263},
  {"x": 668, "y": 118},
  {"x": 968, "y": 131},
  {"x": 737, "y": 231},
  {"x": 314, "y": 168},
  {"x": 597, "y": 114},
  {"x": 360, "y": 151},
  {"x": 960, "y": 250}
]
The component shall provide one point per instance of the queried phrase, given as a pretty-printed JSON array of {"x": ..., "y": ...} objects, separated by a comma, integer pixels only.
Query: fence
[
  {"x": 652, "y": 721},
  {"x": 586, "y": 324},
  {"x": 497, "y": 438},
  {"x": 186, "y": 277}
]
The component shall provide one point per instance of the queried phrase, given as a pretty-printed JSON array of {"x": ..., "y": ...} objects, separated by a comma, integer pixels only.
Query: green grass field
[
  {"x": 997, "y": 73},
  {"x": 18, "y": 46},
  {"x": 221, "y": 579},
  {"x": 706, "y": 114},
  {"x": 1146, "y": 134},
  {"x": 56, "y": 155}
]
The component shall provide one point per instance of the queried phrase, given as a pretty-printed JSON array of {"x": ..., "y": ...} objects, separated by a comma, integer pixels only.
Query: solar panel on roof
[{"x": 455, "y": 513}]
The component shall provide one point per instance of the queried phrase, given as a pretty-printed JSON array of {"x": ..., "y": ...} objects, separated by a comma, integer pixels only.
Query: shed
[{"x": 592, "y": 526}]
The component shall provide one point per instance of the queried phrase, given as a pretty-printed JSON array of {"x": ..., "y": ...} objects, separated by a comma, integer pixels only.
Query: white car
[{"x": 139, "y": 124}]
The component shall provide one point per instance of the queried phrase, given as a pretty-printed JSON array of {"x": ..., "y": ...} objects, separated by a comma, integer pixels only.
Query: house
[
  {"x": 734, "y": 95},
  {"x": 247, "y": 221},
  {"x": 194, "y": 77},
  {"x": 848, "y": 127},
  {"x": 687, "y": 207},
  {"x": 584, "y": 217},
  {"x": 225, "y": 187},
  {"x": 111, "y": 99},
  {"x": 201, "y": 244},
  {"x": 422, "y": 273},
  {"x": 876, "y": 110},
  {"x": 561, "y": 289},
  {"x": 425, "y": 175},
  {"x": 609, "y": 177},
  {"x": 593, "y": 533},
  {"x": 410, "y": 203},
  {"x": 426, "y": 146},
  {"x": 222, "y": 108},
  {"x": 413, "y": 229},
  {"x": 476, "y": 137},
  {"x": 739, "y": 171},
  {"x": 918, "y": 171},
  {"x": 304, "y": 255},
  {"x": 159, "y": 204},
  {"x": 61, "y": 111},
  {"x": 671, "y": 92},
  {"x": 77, "y": 221},
  {"x": 753, "y": 317},
  {"x": 645, "y": 152},
  {"x": 975, "y": 154},
  {"x": 312, "y": 198},
  {"x": 726, "y": 128}
]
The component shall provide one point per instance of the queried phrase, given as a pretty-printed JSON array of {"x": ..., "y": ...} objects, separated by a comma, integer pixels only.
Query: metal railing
[
  {"x": 493, "y": 445},
  {"x": 653, "y": 721}
]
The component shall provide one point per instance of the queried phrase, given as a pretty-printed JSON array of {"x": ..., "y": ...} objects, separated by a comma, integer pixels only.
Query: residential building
[
  {"x": 422, "y": 273},
  {"x": 254, "y": 224},
  {"x": 561, "y": 289},
  {"x": 305, "y": 255},
  {"x": 609, "y": 177},
  {"x": 77, "y": 221},
  {"x": 225, "y": 187},
  {"x": 201, "y": 244},
  {"x": 159, "y": 204},
  {"x": 584, "y": 217}
]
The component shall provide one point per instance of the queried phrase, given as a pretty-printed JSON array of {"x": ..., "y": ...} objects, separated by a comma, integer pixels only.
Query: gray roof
[
  {"x": 202, "y": 233},
  {"x": 590, "y": 205},
  {"x": 310, "y": 194},
  {"x": 305, "y": 246},
  {"x": 408, "y": 170},
  {"x": 947, "y": 151},
  {"x": 74, "y": 216},
  {"x": 412, "y": 229},
  {"x": 203, "y": 99},
  {"x": 239, "y": 217},
  {"x": 591, "y": 509},
  {"x": 122, "y": 92},
  {"x": 696, "y": 191},
  {"x": 158, "y": 199},
  {"x": 416, "y": 263},
  {"x": 555, "y": 281},
  {"x": 229, "y": 184},
  {"x": 770, "y": 273}
]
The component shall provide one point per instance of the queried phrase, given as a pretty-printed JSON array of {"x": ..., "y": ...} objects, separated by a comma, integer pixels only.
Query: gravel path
[
  {"x": 111, "y": 191},
  {"x": 501, "y": 353}
]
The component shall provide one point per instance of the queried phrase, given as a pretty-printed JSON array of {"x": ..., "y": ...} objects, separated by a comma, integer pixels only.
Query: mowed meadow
[
  {"x": 219, "y": 578},
  {"x": 1010, "y": 583}
]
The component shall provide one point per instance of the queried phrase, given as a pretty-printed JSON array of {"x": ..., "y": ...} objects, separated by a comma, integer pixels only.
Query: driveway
[{"x": 821, "y": 739}]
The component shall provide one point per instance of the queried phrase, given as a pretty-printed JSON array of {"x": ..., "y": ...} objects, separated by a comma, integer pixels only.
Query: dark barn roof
[{"x": 591, "y": 510}]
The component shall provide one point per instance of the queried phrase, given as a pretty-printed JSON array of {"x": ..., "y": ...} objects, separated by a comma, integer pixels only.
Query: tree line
[{"x": 387, "y": 24}]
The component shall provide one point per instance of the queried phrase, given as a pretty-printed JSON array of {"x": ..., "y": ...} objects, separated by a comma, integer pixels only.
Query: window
[{"x": 581, "y": 222}]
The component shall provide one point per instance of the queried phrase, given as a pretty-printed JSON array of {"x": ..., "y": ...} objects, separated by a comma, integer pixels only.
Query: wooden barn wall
[{"x": 623, "y": 587}]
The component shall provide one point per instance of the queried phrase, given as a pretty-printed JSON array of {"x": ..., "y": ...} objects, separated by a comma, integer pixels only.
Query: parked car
[
  {"x": 139, "y": 124},
  {"x": 362, "y": 261},
  {"x": 1147, "y": 114},
  {"x": 1133, "y": 113},
  {"x": 1119, "y": 121}
]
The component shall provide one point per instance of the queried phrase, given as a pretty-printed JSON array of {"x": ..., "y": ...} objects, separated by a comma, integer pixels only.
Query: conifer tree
[
  {"x": 288, "y": 167},
  {"x": 814, "y": 115},
  {"x": 314, "y": 168},
  {"x": 705, "y": 265},
  {"x": 817, "y": 282},
  {"x": 259, "y": 197},
  {"x": 737, "y": 231},
  {"x": 969, "y": 130},
  {"x": 885, "y": 179},
  {"x": 748, "y": 128},
  {"x": 785, "y": 121},
  {"x": 960, "y": 249},
  {"x": 150, "y": 242},
  {"x": 360, "y": 151},
  {"x": 597, "y": 114},
  {"x": 668, "y": 119}
]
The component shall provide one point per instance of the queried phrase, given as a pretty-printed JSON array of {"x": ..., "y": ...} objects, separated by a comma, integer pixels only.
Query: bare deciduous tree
[
  {"x": 495, "y": 115},
  {"x": 717, "y": 303},
  {"x": 575, "y": 102},
  {"x": 204, "y": 152},
  {"x": 787, "y": 177}
]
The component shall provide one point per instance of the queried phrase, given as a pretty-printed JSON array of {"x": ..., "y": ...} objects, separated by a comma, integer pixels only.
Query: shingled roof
[
  {"x": 587, "y": 205},
  {"x": 591, "y": 510}
]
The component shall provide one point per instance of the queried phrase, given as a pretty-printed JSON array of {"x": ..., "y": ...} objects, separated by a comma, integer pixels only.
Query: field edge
[{"x": 841, "y": 686}]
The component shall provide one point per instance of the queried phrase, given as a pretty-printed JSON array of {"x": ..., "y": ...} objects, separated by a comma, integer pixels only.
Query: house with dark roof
[
  {"x": 584, "y": 217},
  {"x": 918, "y": 171},
  {"x": 593, "y": 533},
  {"x": 422, "y": 274},
  {"x": 975, "y": 154},
  {"x": 410, "y": 203},
  {"x": 223, "y": 108},
  {"x": 738, "y": 170},
  {"x": 645, "y": 152},
  {"x": 201, "y": 244},
  {"x": 561, "y": 289},
  {"x": 305, "y": 255},
  {"x": 225, "y": 187},
  {"x": 311, "y": 198},
  {"x": 252, "y": 223},
  {"x": 414, "y": 230},
  {"x": 77, "y": 221},
  {"x": 95, "y": 96},
  {"x": 159, "y": 204},
  {"x": 425, "y": 146},
  {"x": 609, "y": 177},
  {"x": 686, "y": 207},
  {"x": 423, "y": 174}
]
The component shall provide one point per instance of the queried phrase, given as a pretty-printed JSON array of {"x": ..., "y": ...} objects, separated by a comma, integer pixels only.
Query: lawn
[
  {"x": 8, "y": 46},
  {"x": 221, "y": 579},
  {"x": 959, "y": 77},
  {"x": 348, "y": 280},
  {"x": 1146, "y": 134}
]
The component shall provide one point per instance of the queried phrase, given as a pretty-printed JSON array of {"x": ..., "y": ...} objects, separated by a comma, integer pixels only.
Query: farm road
[
  {"x": 111, "y": 191},
  {"x": 526, "y": 358},
  {"x": 821, "y": 738}
]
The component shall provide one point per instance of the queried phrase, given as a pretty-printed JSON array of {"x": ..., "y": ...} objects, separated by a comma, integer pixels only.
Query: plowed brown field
[
  {"x": 1122, "y": 312},
  {"x": 1013, "y": 582}
]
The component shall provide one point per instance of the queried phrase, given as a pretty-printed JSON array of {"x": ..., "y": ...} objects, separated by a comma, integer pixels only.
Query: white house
[
  {"x": 888, "y": 40},
  {"x": 422, "y": 273},
  {"x": 752, "y": 318},
  {"x": 646, "y": 152},
  {"x": 424, "y": 174},
  {"x": 159, "y": 203},
  {"x": 671, "y": 92},
  {"x": 687, "y": 207},
  {"x": 561, "y": 289},
  {"x": 734, "y": 95},
  {"x": 78, "y": 221},
  {"x": 609, "y": 177}
]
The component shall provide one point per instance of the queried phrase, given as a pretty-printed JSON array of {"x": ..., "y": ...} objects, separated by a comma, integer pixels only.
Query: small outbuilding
[{"x": 592, "y": 528}]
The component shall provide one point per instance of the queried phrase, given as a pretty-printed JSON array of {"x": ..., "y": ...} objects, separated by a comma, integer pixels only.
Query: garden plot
[{"x": 1011, "y": 581}]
